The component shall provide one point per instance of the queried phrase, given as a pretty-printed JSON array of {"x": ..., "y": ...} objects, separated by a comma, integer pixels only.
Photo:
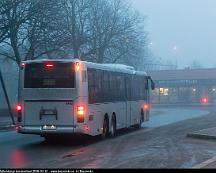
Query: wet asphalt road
[{"x": 161, "y": 143}]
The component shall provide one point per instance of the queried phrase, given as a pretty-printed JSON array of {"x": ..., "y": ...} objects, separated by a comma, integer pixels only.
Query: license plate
[
  {"x": 48, "y": 112},
  {"x": 49, "y": 127}
]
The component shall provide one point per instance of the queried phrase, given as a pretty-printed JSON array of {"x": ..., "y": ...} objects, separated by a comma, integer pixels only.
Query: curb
[
  {"x": 200, "y": 136},
  {"x": 205, "y": 163}
]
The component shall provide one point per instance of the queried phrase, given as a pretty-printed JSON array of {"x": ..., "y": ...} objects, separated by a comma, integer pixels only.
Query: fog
[{"x": 181, "y": 31}]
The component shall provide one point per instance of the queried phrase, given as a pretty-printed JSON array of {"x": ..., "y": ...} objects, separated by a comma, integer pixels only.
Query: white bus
[{"x": 73, "y": 96}]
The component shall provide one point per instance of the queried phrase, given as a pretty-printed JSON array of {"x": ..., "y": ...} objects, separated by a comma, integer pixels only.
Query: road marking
[{"x": 205, "y": 163}]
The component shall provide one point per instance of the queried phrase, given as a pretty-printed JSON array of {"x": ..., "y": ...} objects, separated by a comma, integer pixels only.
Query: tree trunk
[{"x": 14, "y": 45}]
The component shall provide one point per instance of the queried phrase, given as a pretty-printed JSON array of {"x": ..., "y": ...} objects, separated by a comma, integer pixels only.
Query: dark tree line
[{"x": 94, "y": 30}]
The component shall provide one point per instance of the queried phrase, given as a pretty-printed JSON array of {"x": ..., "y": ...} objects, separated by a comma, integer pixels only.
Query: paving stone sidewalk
[{"x": 209, "y": 133}]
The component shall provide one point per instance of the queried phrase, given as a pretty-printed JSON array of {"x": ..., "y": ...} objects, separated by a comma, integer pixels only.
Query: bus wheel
[
  {"x": 113, "y": 126},
  {"x": 141, "y": 119},
  {"x": 105, "y": 128}
]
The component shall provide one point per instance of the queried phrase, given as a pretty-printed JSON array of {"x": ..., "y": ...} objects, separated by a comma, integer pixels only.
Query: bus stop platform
[
  {"x": 209, "y": 133},
  {"x": 208, "y": 164}
]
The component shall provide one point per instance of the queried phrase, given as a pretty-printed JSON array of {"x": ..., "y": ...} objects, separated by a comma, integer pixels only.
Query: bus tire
[
  {"x": 141, "y": 119},
  {"x": 105, "y": 132},
  {"x": 113, "y": 126},
  {"x": 147, "y": 115},
  {"x": 142, "y": 116}
]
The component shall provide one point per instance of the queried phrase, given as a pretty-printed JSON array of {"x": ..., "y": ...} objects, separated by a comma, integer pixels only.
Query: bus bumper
[{"x": 39, "y": 130}]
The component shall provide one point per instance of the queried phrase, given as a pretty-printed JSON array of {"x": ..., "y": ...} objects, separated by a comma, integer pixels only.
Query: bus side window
[
  {"x": 128, "y": 87},
  {"x": 91, "y": 85},
  {"x": 135, "y": 86},
  {"x": 121, "y": 87},
  {"x": 106, "y": 87},
  {"x": 152, "y": 85},
  {"x": 144, "y": 88},
  {"x": 146, "y": 83},
  {"x": 98, "y": 87},
  {"x": 141, "y": 88}
]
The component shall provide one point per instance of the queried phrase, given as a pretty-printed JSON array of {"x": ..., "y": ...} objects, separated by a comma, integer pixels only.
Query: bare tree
[
  {"x": 44, "y": 34},
  {"x": 14, "y": 13},
  {"x": 75, "y": 14},
  {"x": 115, "y": 34},
  {"x": 4, "y": 26},
  {"x": 99, "y": 31},
  {"x": 32, "y": 29}
]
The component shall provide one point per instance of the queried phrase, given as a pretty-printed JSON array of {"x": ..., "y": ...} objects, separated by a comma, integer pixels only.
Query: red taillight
[
  {"x": 19, "y": 113},
  {"x": 49, "y": 65},
  {"x": 80, "y": 114},
  {"x": 204, "y": 100},
  {"x": 80, "y": 110},
  {"x": 19, "y": 108}
]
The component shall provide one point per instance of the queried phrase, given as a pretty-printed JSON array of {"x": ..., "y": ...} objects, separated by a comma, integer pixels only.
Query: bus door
[{"x": 128, "y": 99}]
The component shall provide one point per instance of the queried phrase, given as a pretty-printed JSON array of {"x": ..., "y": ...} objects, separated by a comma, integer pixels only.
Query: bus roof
[
  {"x": 50, "y": 60},
  {"x": 141, "y": 73},
  {"x": 110, "y": 67}
]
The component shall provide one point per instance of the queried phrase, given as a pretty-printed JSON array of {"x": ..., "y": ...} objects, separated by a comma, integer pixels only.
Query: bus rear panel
[{"x": 49, "y": 98}]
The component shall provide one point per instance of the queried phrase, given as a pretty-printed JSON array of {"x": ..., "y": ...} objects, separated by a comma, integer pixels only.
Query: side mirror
[
  {"x": 147, "y": 85},
  {"x": 152, "y": 85}
]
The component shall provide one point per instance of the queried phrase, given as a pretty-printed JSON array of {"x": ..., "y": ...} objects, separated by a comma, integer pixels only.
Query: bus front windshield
[{"x": 53, "y": 75}]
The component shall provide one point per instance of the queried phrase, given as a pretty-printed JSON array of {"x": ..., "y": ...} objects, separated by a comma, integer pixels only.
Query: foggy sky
[{"x": 181, "y": 30}]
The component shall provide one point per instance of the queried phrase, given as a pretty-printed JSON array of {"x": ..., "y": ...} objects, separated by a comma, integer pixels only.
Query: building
[{"x": 184, "y": 86}]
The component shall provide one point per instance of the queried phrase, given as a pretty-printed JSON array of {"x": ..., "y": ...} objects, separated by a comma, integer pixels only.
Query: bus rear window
[{"x": 55, "y": 75}]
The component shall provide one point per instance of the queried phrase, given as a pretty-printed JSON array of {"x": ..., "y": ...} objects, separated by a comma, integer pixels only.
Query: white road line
[{"x": 205, "y": 163}]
